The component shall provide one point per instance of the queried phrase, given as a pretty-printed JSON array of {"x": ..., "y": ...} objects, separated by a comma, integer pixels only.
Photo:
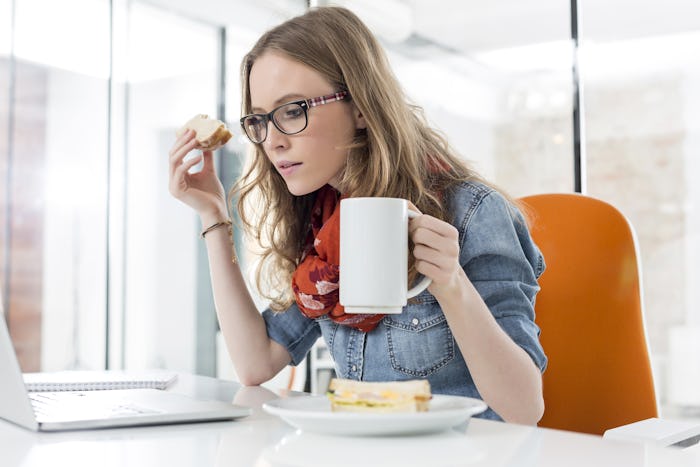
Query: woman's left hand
[{"x": 437, "y": 252}]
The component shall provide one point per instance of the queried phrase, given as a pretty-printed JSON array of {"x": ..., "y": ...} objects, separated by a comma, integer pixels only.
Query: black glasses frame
[{"x": 305, "y": 105}]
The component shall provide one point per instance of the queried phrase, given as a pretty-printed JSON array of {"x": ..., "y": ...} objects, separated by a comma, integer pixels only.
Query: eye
[
  {"x": 291, "y": 112},
  {"x": 295, "y": 112},
  {"x": 255, "y": 120}
]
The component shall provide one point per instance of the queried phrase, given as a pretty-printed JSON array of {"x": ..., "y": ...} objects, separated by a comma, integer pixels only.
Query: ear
[{"x": 360, "y": 123}]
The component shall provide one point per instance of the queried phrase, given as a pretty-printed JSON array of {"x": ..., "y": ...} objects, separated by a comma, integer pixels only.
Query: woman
[{"x": 327, "y": 118}]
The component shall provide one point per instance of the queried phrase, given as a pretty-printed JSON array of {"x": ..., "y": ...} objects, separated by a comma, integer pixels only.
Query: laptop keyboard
[{"x": 79, "y": 405}]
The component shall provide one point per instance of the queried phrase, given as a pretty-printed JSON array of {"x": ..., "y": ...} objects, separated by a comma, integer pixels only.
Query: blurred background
[{"x": 101, "y": 268}]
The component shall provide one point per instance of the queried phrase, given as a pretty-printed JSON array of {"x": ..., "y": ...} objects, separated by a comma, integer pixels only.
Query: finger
[
  {"x": 181, "y": 140},
  {"x": 178, "y": 179},
  {"x": 184, "y": 168},
  {"x": 437, "y": 274},
  {"x": 178, "y": 153},
  {"x": 431, "y": 256},
  {"x": 426, "y": 237},
  {"x": 180, "y": 182},
  {"x": 432, "y": 223},
  {"x": 413, "y": 207},
  {"x": 432, "y": 239},
  {"x": 189, "y": 142},
  {"x": 189, "y": 133},
  {"x": 208, "y": 158},
  {"x": 422, "y": 221},
  {"x": 180, "y": 149}
]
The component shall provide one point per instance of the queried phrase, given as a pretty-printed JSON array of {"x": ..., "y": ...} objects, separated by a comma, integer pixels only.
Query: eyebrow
[{"x": 282, "y": 100}]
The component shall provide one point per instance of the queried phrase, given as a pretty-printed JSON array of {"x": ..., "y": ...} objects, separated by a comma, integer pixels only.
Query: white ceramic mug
[{"x": 374, "y": 255}]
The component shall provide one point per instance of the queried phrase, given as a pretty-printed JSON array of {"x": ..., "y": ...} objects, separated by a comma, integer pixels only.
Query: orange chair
[{"x": 590, "y": 312}]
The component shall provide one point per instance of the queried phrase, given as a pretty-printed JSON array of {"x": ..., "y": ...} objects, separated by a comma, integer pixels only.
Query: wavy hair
[{"x": 398, "y": 155}]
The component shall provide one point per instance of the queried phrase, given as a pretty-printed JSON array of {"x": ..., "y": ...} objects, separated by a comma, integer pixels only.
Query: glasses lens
[
  {"x": 290, "y": 118},
  {"x": 255, "y": 127}
]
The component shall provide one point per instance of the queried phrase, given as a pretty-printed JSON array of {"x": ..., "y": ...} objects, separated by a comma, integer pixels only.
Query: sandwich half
[
  {"x": 397, "y": 396},
  {"x": 211, "y": 133}
]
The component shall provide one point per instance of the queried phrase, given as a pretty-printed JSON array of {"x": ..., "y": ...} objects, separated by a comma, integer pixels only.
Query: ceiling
[{"x": 470, "y": 26}]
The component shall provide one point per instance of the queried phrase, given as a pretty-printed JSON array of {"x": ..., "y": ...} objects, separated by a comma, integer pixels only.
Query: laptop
[{"x": 80, "y": 410}]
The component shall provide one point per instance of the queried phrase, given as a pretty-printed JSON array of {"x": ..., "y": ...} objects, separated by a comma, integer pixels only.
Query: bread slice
[
  {"x": 211, "y": 133},
  {"x": 379, "y": 397}
]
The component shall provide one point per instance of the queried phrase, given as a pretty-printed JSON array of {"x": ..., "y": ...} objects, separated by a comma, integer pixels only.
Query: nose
[{"x": 275, "y": 138}]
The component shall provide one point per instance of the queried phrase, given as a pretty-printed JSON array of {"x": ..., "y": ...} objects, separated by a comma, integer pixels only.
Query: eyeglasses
[{"x": 290, "y": 118}]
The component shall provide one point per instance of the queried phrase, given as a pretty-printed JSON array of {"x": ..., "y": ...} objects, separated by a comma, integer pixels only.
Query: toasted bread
[{"x": 211, "y": 134}]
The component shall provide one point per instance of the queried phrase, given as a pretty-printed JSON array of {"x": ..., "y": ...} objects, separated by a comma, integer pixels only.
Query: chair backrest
[{"x": 590, "y": 313}]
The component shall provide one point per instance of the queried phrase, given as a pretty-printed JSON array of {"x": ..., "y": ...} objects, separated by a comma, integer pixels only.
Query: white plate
[{"x": 313, "y": 414}]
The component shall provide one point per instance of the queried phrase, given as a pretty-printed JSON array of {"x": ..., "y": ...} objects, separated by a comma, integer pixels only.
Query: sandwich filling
[{"x": 358, "y": 396}]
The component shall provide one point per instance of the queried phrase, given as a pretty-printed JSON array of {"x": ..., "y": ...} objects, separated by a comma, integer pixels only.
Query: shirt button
[
  {"x": 415, "y": 321},
  {"x": 354, "y": 368}
]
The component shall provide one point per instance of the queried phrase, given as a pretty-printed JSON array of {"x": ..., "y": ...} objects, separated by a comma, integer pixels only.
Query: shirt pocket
[{"x": 419, "y": 340}]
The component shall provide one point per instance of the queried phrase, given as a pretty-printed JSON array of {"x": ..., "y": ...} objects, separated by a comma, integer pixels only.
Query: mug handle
[{"x": 426, "y": 281}]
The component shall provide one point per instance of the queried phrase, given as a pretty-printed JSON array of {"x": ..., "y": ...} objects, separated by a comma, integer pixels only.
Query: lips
[
  {"x": 287, "y": 168},
  {"x": 286, "y": 164}
]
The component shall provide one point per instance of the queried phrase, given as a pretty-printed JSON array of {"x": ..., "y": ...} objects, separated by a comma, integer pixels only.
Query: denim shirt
[{"x": 501, "y": 260}]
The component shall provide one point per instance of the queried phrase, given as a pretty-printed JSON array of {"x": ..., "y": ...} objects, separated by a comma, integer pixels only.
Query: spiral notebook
[{"x": 97, "y": 380}]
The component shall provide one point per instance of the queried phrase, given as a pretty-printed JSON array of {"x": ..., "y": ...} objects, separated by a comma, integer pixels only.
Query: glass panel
[
  {"x": 172, "y": 76},
  {"x": 56, "y": 196},
  {"x": 5, "y": 27},
  {"x": 642, "y": 110},
  {"x": 5, "y": 73},
  {"x": 496, "y": 80}
]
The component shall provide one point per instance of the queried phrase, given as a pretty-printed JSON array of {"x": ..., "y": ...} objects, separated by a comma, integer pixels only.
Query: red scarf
[{"x": 316, "y": 280}]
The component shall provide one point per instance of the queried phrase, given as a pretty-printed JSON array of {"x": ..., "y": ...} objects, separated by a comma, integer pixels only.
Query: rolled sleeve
[
  {"x": 292, "y": 330},
  {"x": 503, "y": 263}
]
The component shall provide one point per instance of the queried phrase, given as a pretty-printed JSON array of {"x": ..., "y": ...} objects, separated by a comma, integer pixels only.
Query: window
[
  {"x": 88, "y": 225},
  {"x": 172, "y": 68},
  {"x": 56, "y": 177},
  {"x": 642, "y": 113},
  {"x": 499, "y": 87}
]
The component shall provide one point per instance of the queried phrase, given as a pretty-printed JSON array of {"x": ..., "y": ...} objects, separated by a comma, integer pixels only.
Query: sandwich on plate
[{"x": 396, "y": 396}]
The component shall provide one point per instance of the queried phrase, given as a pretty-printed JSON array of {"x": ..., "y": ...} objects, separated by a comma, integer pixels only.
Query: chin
[{"x": 298, "y": 189}]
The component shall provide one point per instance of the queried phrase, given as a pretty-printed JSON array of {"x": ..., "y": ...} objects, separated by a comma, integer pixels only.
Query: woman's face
[{"x": 316, "y": 156}]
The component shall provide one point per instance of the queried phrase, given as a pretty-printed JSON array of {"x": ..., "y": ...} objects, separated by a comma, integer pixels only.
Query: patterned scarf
[{"x": 316, "y": 280}]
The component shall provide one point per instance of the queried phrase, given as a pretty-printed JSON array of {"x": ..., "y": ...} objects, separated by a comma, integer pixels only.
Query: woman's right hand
[{"x": 200, "y": 190}]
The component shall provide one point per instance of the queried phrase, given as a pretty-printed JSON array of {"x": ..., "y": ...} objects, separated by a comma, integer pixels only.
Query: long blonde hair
[{"x": 398, "y": 155}]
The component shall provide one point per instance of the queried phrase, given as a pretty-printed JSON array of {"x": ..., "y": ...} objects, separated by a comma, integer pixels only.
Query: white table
[{"x": 263, "y": 440}]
